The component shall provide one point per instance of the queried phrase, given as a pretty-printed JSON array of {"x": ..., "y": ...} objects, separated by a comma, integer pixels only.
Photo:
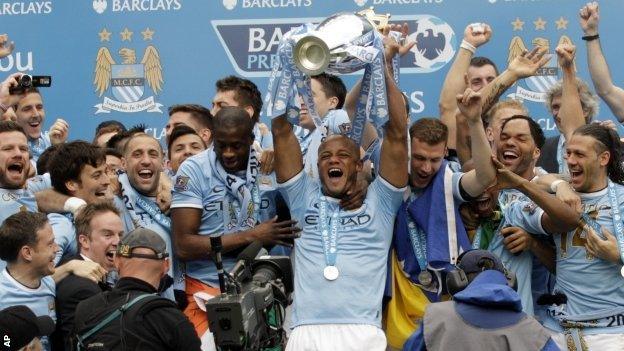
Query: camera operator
[
  {"x": 150, "y": 323},
  {"x": 486, "y": 313}
]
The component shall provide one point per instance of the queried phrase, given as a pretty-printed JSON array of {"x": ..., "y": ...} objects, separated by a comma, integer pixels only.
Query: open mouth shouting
[
  {"x": 509, "y": 157},
  {"x": 16, "y": 169},
  {"x": 110, "y": 255},
  {"x": 335, "y": 174},
  {"x": 576, "y": 175}
]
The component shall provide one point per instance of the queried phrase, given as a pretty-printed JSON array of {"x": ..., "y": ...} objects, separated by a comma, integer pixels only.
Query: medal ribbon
[
  {"x": 617, "y": 219},
  {"x": 329, "y": 232}
]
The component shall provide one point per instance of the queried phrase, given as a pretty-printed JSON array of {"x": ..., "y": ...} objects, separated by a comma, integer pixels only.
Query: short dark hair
[
  {"x": 607, "y": 140},
  {"x": 70, "y": 159},
  {"x": 332, "y": 86},
  {"x": 480, "y": 61},
  {"x": 140, "y": 135},
  {"x": 178, "y": 132},
  {"x": 112, "y": 152},
  {"x": 536, "y": 131},
  {"x": 11, "y": 126},
  {"x": 18, "y": 230},
  {"x": 232, "y": 117},
  {"x": 199, "y": 113},
  {"x": 108, "y": 127},
  {"x": 28, "y": 90},
  {"x": 247, "y": 93},
  {"x": 119, "y": 140},
  {"x": 429, "y": 130},
  {"x": 86, "y": 214},
  {"x": 43, "y": 163}
]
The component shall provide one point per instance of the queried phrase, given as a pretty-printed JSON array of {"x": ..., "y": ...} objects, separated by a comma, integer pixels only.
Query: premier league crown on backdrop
[{"x": 342, "y": 43}]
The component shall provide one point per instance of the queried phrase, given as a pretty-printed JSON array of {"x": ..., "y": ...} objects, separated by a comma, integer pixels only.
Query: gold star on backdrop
[
  {"x": 148, "y": 34},
  {"x": 540, "y": 24},
  {"x": 517, "y": 24},
  {"x": 104, "y": 35},
  {"x": 562, "y": 23},
  {"x": 126, "y": 35}
]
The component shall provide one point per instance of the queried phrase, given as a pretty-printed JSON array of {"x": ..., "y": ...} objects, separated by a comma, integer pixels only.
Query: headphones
[{"x": 472, "y": 262}]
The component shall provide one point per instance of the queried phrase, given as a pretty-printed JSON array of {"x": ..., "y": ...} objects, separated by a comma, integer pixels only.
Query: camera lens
[{"x": 26, "y": 81}]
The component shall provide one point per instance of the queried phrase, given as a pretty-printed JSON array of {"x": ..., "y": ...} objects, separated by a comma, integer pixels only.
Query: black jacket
[
  {"x": 548, "y": 155},
  {"x": 69, "y": 292},
  {"x": 155, "y": 325}
]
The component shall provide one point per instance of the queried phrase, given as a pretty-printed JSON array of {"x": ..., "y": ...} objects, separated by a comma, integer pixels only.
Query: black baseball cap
[
  {"x": 146, "y": 238},
  {"x": 19, "y": 326}
]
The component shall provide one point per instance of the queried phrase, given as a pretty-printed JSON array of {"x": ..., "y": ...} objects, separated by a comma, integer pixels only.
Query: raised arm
[
  {"x": 475, "y": 35},
  {"x": 288, "y": 161},
  {"x": 612, "y": 95},
  {"x": 571, "y": 110},
  {"x": 393, "y": 164},
  {"x": 558, "y": 217},
  {"x": 522, "y": 66},
  {"x": 484, "y": 174}
]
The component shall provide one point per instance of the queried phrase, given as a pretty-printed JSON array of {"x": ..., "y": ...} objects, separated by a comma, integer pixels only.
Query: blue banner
[{"x": 130, "y": 60}]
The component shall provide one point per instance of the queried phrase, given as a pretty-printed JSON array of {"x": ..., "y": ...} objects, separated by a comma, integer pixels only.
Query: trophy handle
[
  {"x": 378, "y": 21},
  {"x": 312, "y": 55}
]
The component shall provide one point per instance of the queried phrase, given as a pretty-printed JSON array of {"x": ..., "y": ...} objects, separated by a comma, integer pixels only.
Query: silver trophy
[{"x": 330, "y": 46}]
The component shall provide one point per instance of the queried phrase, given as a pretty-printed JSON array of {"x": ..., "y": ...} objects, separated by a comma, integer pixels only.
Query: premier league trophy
[
  {"x": 343, "y": 43},
  {"x": 330, "y": 46}
]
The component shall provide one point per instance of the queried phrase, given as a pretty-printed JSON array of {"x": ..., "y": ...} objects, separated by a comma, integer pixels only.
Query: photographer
[{"x": 146, "y": 321}]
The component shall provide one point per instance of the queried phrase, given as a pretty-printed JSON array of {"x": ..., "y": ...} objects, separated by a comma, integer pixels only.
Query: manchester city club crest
[
  {"x": 535, "y": 88},
  {"x": 127, "y": 80}
]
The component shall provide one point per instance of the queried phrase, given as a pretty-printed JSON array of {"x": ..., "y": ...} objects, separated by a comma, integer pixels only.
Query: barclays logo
[
  {"x": 26, "y": 8},
  {"x": 100, "y": 6},
  {"x": 266, "y": 4}
]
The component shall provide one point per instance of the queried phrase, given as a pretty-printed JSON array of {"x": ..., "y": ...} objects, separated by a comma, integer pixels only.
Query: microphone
[
  {"x": 252, "y": 251},
  {"x": 217, "y": 246}
]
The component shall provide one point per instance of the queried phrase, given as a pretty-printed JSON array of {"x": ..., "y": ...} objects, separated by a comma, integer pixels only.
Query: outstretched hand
[{"x": 527, "y": 63}]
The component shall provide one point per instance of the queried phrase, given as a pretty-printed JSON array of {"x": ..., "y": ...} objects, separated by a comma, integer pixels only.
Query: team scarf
[
  {"x": 133, "y": 199},
  {"x": 436, "y": 213},
  {"x": 245, "y": 191}
]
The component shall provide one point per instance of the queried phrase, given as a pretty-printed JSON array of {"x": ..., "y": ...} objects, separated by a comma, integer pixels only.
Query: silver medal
[
  {"x": 330, "y": 273},
  {"x": 425, "y": 278}
]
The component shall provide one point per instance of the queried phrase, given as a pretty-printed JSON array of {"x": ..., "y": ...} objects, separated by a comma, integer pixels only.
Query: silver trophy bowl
[{"x": 322, "y": 49}]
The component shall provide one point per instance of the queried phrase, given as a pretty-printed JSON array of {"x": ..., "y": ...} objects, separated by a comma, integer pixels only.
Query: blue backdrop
[{"x": 172, "y": 51}]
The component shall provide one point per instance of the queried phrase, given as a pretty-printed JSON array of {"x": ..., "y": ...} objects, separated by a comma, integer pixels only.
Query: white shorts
[
  {"x": 595, "y": 342},
  {"x": 339, "y": 337}
]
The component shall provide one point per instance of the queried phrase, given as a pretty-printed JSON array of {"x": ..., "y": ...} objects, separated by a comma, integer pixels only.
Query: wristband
[
  {"x": 466, "y": 45},
  {"x": 73, "y": 204},
  {"x": 4, "y": 107},
  {"x": 555, "y": 184},
  {"x": 591, "y": 37}
]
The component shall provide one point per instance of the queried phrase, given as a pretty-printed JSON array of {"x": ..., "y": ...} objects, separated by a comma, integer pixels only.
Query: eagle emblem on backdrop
[
  {"x": 128, "y": 80},
  {"x": 534, "y": 88}
]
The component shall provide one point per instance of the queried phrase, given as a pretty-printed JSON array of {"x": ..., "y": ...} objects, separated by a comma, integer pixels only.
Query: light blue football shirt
[
  {"x": 195, "y": 186},
  {"x": 590, "y": 283},
  {"x": 64, "y": 235},
  {"x": 521, "y": 265},
  {"x": 364, "y": 237},
  {"x": 39, "y": 145},
  {"x": 39, "y": 300}
]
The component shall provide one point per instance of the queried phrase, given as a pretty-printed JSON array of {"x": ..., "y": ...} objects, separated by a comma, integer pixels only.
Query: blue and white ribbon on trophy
[{"x": 287, "y": 81}]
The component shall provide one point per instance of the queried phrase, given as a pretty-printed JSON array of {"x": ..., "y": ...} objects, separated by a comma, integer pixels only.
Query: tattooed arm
[{"x": 524, "y": 65}]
